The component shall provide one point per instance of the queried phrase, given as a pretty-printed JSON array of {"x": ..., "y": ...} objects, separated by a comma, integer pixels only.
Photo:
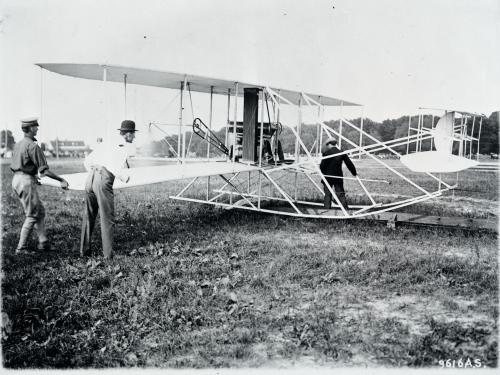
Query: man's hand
[{"x": 64, "y": 184}]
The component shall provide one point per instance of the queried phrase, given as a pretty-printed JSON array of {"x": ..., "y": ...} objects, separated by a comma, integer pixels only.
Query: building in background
[{"x": 68, "y": 148}]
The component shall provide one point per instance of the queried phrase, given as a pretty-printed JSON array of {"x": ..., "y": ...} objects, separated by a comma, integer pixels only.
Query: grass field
[{"x": 197, "y": 286}]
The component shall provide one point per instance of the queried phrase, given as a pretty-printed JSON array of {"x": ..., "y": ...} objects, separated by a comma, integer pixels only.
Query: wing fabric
[
  {"x": 436, "y": 162},
  {"x": 152, "y": 175}
]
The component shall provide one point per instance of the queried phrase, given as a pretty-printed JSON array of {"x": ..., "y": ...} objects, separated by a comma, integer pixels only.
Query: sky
[{"x": 391, "y": 56}]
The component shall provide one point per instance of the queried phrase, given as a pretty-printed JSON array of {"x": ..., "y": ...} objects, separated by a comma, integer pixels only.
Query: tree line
[{"x": 383, "y": 131}]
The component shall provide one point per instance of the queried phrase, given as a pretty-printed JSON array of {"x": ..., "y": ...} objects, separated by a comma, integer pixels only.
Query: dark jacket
[{"x": 333, "y": 166}]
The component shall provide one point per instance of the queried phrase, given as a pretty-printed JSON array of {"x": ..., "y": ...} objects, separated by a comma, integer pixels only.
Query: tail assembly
[{"x": 442, "y": 160}]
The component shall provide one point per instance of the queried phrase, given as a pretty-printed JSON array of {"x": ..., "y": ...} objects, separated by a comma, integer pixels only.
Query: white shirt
[{"x": 111, "y": 155}]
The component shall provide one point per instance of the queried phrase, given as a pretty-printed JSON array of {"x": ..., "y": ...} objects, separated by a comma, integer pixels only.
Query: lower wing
[{"x": 152, "y": 175}]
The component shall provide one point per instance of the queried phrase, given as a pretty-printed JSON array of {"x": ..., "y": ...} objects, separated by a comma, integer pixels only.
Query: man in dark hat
[
  {"x": 104, "y": 164},
  {"x": 332, "y": 169},
  {"x": 28, "y": 161}
]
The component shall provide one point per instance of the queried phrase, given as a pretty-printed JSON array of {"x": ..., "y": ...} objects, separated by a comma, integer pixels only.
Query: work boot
[
  {"x": 328, "y": 201},
  {"x": 343, "y": 201}
]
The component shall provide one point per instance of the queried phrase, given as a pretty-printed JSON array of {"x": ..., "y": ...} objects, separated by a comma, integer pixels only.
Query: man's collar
[{"x": 30, "y": 137}]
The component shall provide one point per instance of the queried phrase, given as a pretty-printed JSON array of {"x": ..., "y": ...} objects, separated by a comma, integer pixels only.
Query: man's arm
[
  {"x": 349, "y": 164},
  {"x": 47, "y": 172},
  {"x": 38, "y": 158}
]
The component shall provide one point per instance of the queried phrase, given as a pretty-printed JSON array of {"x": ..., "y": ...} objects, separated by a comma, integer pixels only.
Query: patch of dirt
[{"x": 414, "y": 310}]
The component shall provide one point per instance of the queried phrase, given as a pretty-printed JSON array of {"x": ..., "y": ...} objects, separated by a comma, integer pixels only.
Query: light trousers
[
  {"x": 100, "y": 197},
  {"x": 25, "y": 187}
]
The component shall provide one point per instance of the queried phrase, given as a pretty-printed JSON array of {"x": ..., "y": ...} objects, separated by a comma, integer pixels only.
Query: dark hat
[
  {"x": 128, "y": 126},
  {"x": 28, "y": 122},
  {"x": 331, "y": 141}
]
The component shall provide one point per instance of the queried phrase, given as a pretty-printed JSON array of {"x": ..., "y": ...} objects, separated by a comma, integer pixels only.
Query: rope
[{"x": 164, "y": 139}]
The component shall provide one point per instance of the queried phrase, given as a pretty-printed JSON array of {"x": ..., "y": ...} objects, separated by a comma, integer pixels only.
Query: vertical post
[
  {"x": 318, "y": 130},
  {"x": 419, "y": 133},
  {"x": 41, "y": 100},
  {"x": 227, "y": 121},
  {"x": 278, "y": 109},
  {"x": 479, "y": 136},
  {"x": 105, "y": 101},
  {"x": 125, "y": 95},
  {"x": 57, "y": 148},
  {"x": 210, "y": 119},
  {"x": 261, "y": 144},
  {"x": 208, "y": 143},
  {"x": 432, "y": 127},
  {"x": 408, "y": 140},
  {"x": 261, "y": 135},
  {"x": 182, "y": 125},
  {"x": 361, "y": 132},
  {"x": 180, "y": 154},
  {"x": 472, "y": 136},
  {"x": 235, "y": 120},
  {"x": 340, "y": 124},
  {"x": 461, "y": 146},
  {"x": 248, "y": 182},
  {"x": 297, "y": 153},
  {"x": 321, "y": 133},
  {"x": 297, "y": 146}
]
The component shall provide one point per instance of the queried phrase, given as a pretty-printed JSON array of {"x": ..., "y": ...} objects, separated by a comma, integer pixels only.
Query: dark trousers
[
  {"x": 338, "y": 186},
  {"x": 99, "y": 189}
]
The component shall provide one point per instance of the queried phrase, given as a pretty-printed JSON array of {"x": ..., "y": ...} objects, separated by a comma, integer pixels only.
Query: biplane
[{"x": 252, "y": 172}]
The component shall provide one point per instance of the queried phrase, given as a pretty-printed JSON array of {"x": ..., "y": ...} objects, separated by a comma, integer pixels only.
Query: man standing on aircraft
[
  {"x": 104, "y": 164},
  {"x": 28, "y": 160},
  {"x": 332, "y": 169}
]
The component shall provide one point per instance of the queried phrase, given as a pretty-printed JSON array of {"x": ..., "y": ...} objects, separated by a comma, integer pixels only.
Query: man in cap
[
  {"x": 28, "y": 160},
  {"x": 331, "y": 167},
  {"x": 104, "y": 164}
]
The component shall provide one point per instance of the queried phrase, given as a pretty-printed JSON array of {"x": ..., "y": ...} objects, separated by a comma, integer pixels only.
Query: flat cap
[
  {"x": 331, "y": 141},
  {"x": 30, "y": 121}
]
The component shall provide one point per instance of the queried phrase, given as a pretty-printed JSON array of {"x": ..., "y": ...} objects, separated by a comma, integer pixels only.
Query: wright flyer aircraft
[{"x": 251, "y": 171}]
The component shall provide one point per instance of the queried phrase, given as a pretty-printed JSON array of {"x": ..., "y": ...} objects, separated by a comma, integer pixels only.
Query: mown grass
[{"x": 196, "y": 286}]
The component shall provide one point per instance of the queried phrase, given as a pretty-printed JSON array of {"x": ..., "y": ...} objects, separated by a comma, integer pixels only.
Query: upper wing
[
  {"x": 148, "y": 77},
  {"x": 162, "y": 173}
]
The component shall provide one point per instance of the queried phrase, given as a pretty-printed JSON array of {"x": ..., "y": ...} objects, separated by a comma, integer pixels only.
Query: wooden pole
[
  {"x": 361, "y": 127},
  {"x": 261, "y": 143},
  {"x": 318, "y": 130},
  {"x": 227, "y": 121},
  {"x": 105, "y": 101},
  {"x": 408, "y": 144},
  {"x": 340, "y": 124},
  {"x": 125, "y": 95},
  {"x": 180, "y": 153},
  {"x": 432, "y": 127},
  {"x": 479, "y": 136},
  {"x": 472, "y": 135},
  {"x": 210, "y": 119},
  {"x": 208, "y": 143},
  {"x": 182, "y": 124},
  {"x": 235, "y": 119}
]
